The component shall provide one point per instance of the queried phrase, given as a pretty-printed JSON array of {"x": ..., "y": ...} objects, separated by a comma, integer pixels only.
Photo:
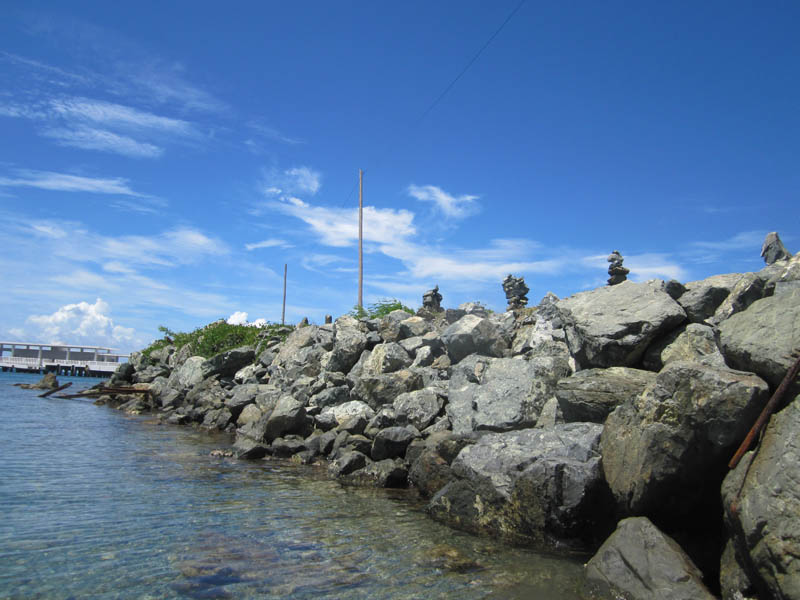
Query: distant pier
[{"x": 61, "y": 359}]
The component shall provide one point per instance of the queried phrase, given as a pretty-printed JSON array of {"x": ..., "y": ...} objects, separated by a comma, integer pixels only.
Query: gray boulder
[
  {"x": 392, "y": 442},
  {"x": 641, "y": 563},
  {"x": 761, "y": 497},
  {"x": 226, "y": 364},
  {"x": 347, "y": 463},
  {"x": 702, "y": 298},
  {"x": 761, "y": 338},
  {"x": 350, "y": 341},
  {"x": 289, "y": 416},
  {"x": 418, "y": 408},
  {"x": 694, "y": 342},
  {"x": 472, "y": 334},
  {"x": 592, "y": 394},
  {"x": 377, "y": 390},
  {"x": 347, "y": 410},
  {"x": 664, "y": 455},
  {"x": 531, "y": 485},
  {"x": 615, "y": 324},
  {"x": 386, "y": 358},
  {"x": 749, "y": 288},
  {"x": 189, "y": 374},
  {"x": 249, "y": 414},
  {"x": 502, "y": 394}
]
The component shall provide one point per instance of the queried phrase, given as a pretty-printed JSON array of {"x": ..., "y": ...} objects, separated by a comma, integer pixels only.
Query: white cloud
[
  {"x": 745, "y": 239},
  {"x": 80, "y": 323},
  {"x": 339, "y": 226},
  {"x": 270, "y": 243},
  {"x": 297, "y": 180},
  {"x": 177, "y": 246},
  {"x": 88, "y": 138},
  {"x": 237, "y": 318},
  {"x": 454, "y": 207},
  {"x": 108, "y": 113},
  {"x": 63, "y": 182},
  {"x": 650, "y": 266}
]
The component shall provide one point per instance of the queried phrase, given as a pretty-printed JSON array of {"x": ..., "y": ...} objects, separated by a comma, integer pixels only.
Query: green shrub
[
  {"x": 215, "y": 338},
  {"x": 380, "y": 309}
]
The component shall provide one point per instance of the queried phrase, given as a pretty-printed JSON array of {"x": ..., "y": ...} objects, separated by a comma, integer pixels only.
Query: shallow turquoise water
[{"x": 99, "y": 504}]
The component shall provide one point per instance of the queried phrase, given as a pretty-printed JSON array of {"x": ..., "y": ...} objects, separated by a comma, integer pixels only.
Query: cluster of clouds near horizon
[{"x": 107, "y": 245}]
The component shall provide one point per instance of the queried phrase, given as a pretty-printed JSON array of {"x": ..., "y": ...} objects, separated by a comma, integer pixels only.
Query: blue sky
[{"x": 162, "y": 161}]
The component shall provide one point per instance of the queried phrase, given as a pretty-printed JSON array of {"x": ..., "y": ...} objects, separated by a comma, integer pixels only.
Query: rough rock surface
[
  {"x": 472, "y": 334},
  {"x": 642, "y": 563},
  {"x": 536, "y": 484},
  {"x": 592, "y": 394},
  {"x": 694, "y": 343},
  {"x": 761, "y": 338},
  {"x": 702, "y": 298},
  {"x": 615, "y": 324},
  {"x": 666, "y": 452},
  {"x": 773, "y": 249},
  {"x": 761, "y": 498},
  {"x": 509, "y": 394}
]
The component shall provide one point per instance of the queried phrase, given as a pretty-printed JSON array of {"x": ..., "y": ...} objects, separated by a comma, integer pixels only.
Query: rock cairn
[
  {"x": 617, "y": 272},
  {"x": 773, "y": 249},
  {"x": 432, "y": 299},
  {"x": 516, "y": 291}
]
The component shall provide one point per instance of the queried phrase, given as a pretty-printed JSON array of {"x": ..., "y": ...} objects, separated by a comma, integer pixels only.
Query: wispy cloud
[
  {"x": 270, "y": 133},
  {"x": 297, "y": 180},
  {"x": 109, "y": 113},
  {"x": 63, "y": 182},
  {"x": 98, "y": 139},
  {"x": 270, "y": 243},
  {"x": 339, "y": 226},
  {"x": 745, "y": 239},
  {"x": 454, "y": 207}
]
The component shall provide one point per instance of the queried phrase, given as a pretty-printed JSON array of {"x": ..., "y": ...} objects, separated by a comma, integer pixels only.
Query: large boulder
[
  {"x": 289, "y": 416},
  {"x": 761, "y": 338},
  {"x": 504, "y": 394},
  {"x": 695, "y": 342},
  {"x": 664, "y": 455},
  {"x": 419, "y": 408},
  {"x": 377, "y": 390},
  {"x": 533, "y": 485},
  {"x": 615, "y": 324},
  {"x": 189, "y": 374},
  {"x": 350, "y": 340},
  {"x": 392, "y": 442},
  {"x": 592, "y": 394},
  {"x": 226, "y": 364},
  {"x": 749, "y": 288},
  {"x": 386, "y": 358},
  {"x": 348, "y": 410},
  {"x": 302, "y": 353},
  {"x": 702, "y": 298},
  {"x": 761, "y": 497},
  {"x": 472, "y": 334},
  {"x": 641, "y": 563}
]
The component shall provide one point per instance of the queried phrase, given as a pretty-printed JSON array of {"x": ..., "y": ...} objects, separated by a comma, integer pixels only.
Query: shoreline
[{"x": 587, "y": 423}]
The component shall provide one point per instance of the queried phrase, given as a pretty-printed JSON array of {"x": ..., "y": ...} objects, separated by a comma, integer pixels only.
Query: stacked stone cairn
[
  {"x": 602, "y": 422},
  {"x": 516, "y": 292},
  {"x": 432, "y": 300},
  {"x": 617, "y": 272}
]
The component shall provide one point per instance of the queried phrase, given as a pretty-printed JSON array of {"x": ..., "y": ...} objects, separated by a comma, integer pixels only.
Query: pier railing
[{"x": 35, "y": 363}]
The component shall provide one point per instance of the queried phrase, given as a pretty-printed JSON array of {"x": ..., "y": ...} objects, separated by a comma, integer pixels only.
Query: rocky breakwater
[{"x": 602, "y": 422}]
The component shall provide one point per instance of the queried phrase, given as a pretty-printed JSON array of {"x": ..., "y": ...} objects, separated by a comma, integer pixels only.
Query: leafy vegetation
[
  {"x": 215, "y": 338},
  {"x": 379, "y": 309}
]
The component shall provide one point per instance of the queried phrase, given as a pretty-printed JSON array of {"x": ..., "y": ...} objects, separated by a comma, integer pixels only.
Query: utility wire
[{"x": 444, "y": 92}]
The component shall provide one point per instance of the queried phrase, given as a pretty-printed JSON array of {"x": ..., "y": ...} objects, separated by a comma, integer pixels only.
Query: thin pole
[
  {"x": 360, "y": 238},
  {"x": 283, "y": 312}
]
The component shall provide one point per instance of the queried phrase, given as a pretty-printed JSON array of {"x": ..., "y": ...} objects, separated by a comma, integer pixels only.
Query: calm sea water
[{"x": 98, "y": 504}]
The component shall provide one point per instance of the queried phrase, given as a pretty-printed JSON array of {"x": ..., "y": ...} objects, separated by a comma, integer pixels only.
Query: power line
[{"x": 445, "y": 91}]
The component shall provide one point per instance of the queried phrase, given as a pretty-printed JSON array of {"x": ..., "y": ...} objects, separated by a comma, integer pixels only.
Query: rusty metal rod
[{"x": 761, "y": 422}]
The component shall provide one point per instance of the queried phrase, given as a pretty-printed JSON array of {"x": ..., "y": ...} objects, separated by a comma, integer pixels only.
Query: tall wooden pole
[
  {"x": 360, "y": 238},
  {"x": 283, "y": 312}
]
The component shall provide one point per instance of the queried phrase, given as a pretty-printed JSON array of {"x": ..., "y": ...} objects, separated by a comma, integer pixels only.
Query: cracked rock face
[
  {"x": 614, "y": 325},
  {"x": 761, "y": 497}
]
